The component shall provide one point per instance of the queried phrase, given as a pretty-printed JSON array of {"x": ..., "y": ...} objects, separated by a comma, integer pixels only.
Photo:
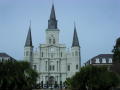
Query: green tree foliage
[
  {"x": 116, "y": 54},
  {"x": 93, "y": 78},
  {"x": 17, "y": 75},
  {"x": 116, "y": 57}
]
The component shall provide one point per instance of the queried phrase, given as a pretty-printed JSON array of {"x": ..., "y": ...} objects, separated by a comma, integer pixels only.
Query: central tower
[{"x": 52, "y": 33}]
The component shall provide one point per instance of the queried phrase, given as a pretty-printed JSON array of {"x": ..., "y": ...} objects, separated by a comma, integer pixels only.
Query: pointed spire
[
  {"x": 29, "y": 38},
  {"x": 75, "y": 42},
  {"x": 52, "y": 22},
  {"x": 52, "y": 15}
]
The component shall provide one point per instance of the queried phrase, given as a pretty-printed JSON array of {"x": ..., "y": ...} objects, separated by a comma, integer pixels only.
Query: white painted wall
[{"x": 52, "y": 56}]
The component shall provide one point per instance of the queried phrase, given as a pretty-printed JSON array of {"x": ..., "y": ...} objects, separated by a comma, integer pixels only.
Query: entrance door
[{"x": 51, "y": 80}]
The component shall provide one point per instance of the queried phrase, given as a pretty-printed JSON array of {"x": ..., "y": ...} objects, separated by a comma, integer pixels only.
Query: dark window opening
[
  {"x": 42, "y": 54},
  {"x": 53, "y": 67},
  {"x": 49, "y": 41},
  {"x": 35, "y": 67},
  {"x": 53, "y": 41},
  {"x": 68, "y": 67},
  {"x": 50, "y": 67},
  {"x": 61, "y": 54},
  {"x": 76, "y": 66}
]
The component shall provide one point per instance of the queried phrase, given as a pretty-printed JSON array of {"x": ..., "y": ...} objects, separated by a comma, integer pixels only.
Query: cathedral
[{"x": 53, "y": 62}]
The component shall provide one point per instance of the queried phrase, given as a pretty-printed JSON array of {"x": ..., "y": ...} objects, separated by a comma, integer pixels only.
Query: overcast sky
[{"x": 97, "y": 23}]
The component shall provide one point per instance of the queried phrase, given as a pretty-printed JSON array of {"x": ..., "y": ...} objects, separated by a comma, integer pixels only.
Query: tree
[
  {"x": 17, "y": 75},
  {"x": 93, "y": 78},
  {"x": 116, "y": 54},
  {"x": 116, "y": 57}
]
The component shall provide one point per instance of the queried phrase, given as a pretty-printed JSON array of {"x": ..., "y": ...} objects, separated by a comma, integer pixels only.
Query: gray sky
[{"x": 97, "y": 22}]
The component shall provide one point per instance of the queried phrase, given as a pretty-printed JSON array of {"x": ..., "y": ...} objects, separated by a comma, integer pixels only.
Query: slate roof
[
  {"x": 52, "y": 15},
  {"x": 100, "y": 57},
  {"x": 5, "y": 55},
  {"x": 75, "y": 39},
  {"x": 52, "y": 22},
  {"x": 29, "y": 38},
  {"x": 106, "y": 56}
]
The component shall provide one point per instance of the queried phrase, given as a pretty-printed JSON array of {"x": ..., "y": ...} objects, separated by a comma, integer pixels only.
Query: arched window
[
  {"x": 49, "y": 41},
  {"x": 57, "y": 65},
  {"x": 46, "y": 65},
  {"x": 103, "y": 60},
  {"x": 50, "y": 67},
  {"x": 76, "y": 66},
  {"x": 61, "y": 54},
  {"x": 46, "y": 79},
  {"x": 30, "y": 53},
  {"x": 53, "y": 67},
  {"x": 97, "y": 60},
  {"x": 110, "y": 60},
  {"x": 76, "y": 53},
  {"x": 68, "y": 67},
  {"x": 35, "y": 67},
  {"x": 42, "y": 54},
  {"x": 53, "y": 41},
  {"x": 52, "y": 55},
  {"x": 27, "y": 53}
]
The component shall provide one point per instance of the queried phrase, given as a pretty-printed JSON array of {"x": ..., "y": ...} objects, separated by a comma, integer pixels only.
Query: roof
[
  {"x": 75, "y": 38},
  {"x": 103, "y": 56},
  {"x": 52, "y": 22},
  {"x": 52, "y": 15},
  {"x": 4, "y": 55},
  {"x": 100, "y": 57},
  {"x": 29, "y": 38}
]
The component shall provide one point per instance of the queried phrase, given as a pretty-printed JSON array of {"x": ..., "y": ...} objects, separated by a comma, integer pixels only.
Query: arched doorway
[{"x": 51, "y": 80}]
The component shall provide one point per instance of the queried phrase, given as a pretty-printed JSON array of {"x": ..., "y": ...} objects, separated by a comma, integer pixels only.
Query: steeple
[
  {"x": 29, "y": 38},
  {"x": 52, "y": 15},
  {"x": 75, "y": 42},
  {"x": 52, "y": 22}
]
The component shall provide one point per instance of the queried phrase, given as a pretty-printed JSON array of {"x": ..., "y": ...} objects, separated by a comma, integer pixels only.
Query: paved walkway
[{"x": 49, "y": 89}]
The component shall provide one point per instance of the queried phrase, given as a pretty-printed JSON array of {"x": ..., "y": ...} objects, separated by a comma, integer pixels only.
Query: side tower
[
  {"x": 52, "y": 33},
  {"x": 28, "y": 48},
  {"x": 75, "y": 50}
]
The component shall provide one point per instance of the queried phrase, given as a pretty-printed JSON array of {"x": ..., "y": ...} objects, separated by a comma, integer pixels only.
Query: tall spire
[
  {"x": 52, "y": 22},
  {"x": 29, "y": 38},
  {"x": 75, "y": 42},
  {"x": 52, "y": 15}
]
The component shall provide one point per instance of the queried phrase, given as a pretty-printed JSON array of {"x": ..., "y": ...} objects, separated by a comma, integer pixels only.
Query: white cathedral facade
[{"x": 52, "y": 60}]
